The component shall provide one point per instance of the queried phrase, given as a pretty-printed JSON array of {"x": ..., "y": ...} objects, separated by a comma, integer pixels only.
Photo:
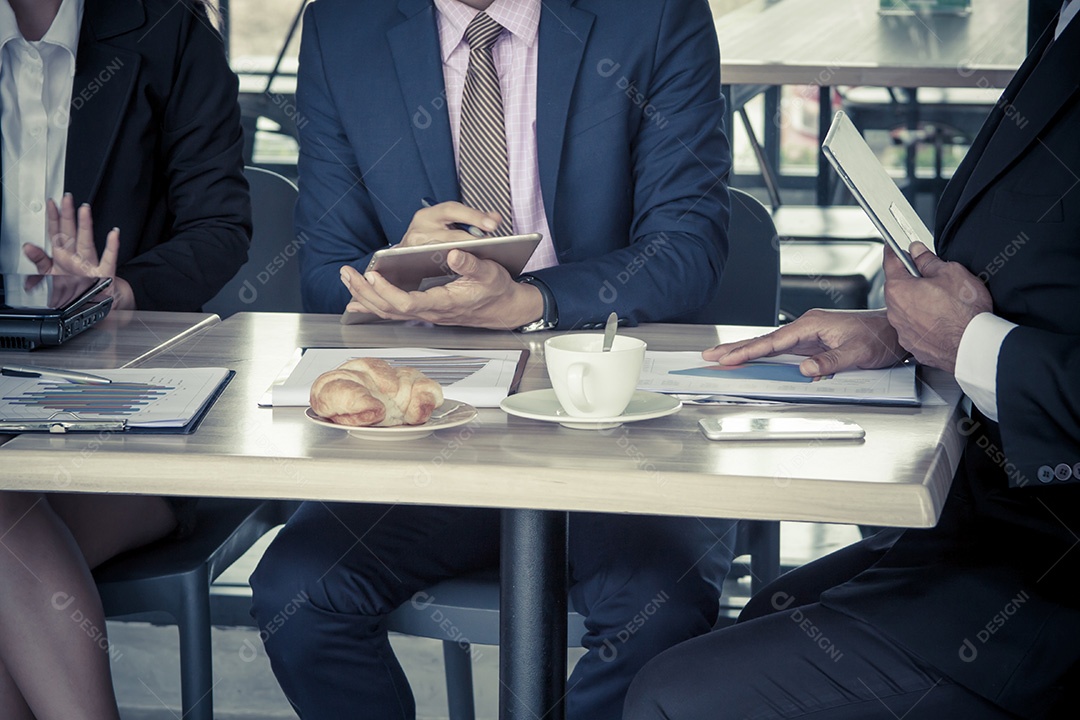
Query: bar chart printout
[{"x": 142, "y": 397}]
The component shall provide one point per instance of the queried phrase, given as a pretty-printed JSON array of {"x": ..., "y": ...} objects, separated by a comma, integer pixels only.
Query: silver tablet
[
  {"x": 876, "y": 192},
  {"x": 419, "y": 267}
]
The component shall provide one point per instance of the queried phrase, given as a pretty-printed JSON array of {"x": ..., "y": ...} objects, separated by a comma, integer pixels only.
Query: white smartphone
[
  {"x": 779, "y": 428},
  {"x": 419, "y": 267}
]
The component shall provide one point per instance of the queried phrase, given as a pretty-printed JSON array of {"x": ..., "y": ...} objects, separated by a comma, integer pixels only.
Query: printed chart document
[
  {"x": 776, "y": 378},
  {"x": 481, "y": 378},
  {"x": 172, "y": 398}
]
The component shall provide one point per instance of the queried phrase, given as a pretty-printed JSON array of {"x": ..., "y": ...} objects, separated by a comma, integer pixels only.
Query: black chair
[
  {"x": 169, "y": 582},
  {"x": 270, "y": 279},
  {"x": 749, "y": 292}
]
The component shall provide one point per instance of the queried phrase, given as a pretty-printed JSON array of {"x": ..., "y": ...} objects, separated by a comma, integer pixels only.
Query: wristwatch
[{"x": 550, "y": 318}]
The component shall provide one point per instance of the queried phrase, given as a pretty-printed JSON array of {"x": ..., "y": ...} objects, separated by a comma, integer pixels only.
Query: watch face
[{"x": 536, "y": 325}]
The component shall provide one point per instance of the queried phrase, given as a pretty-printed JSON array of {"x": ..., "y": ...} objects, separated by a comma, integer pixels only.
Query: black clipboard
[{"x": 58, "y": 425}]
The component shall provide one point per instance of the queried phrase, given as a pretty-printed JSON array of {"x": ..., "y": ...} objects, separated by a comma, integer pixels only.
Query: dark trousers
[
  {"x": 791, "y": 657},
  {"x": 332, "y": 574}
]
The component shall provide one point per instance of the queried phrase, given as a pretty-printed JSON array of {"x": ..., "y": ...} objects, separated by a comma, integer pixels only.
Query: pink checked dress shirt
[{"x": 515, "y": 54}]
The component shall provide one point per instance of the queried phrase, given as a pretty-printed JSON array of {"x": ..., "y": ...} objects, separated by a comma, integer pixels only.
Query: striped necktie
[{"x": 484, "y": 170}]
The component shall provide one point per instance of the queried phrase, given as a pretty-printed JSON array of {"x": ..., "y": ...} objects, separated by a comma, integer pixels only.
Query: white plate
[
  {"x": 543, "y": 405},
  {"x": 450, "y": 414}
]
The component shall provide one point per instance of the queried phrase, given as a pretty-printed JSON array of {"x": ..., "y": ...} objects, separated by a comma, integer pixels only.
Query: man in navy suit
[
  {"x": 977, "y": 617},
  {"x": 615, "y": 152}
]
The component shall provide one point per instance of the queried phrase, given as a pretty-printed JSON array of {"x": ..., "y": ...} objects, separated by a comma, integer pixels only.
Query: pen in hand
[{"x": 471, "y": 229}]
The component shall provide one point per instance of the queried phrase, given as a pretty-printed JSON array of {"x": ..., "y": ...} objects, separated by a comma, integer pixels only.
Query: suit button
[
  {"x": 1063, "y": 472},
  {"x": 1076, "y": 471},
  {"x": 1046, "y": 474}
]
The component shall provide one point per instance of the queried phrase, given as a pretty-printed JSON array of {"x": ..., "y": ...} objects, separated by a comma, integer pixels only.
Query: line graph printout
[
  {"x": 144, "y": 397},
  {"x": 443, "y": 369},
  {"x": 776, "y": 378},
  {"x": 481, "y": 378}
]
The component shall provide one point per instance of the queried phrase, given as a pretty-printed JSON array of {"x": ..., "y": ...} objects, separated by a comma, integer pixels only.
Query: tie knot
[{"x": 482, "y": 32}]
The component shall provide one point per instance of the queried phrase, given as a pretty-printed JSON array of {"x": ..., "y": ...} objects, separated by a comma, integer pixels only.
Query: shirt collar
[
  {"x": 521, "y": 18},
  {"x": 9, "y": 28},
  {"x": 64, "y": 31},
  {"x": 1068, "y": 12}
]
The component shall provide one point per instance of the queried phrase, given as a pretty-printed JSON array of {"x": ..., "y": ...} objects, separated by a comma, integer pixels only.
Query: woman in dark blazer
[{"x": 157, "y": 198}]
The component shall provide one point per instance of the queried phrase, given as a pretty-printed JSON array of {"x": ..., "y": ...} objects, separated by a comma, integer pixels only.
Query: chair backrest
[
  {"x": 270, "y": 279},
  {"x": 749, "y": 292}
]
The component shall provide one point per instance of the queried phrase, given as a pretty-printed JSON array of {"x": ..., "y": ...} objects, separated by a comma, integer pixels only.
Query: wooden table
[
  {"x": 535, "y": 471},
  {"x": 769, "y": 43},
  {"x": 123, "y": 338}
]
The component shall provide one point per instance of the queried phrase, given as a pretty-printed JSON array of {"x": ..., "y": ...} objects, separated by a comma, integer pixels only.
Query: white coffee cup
[{"x": 588, "y": 382}]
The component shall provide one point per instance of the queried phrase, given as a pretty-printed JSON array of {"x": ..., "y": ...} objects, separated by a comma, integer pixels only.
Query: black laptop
[{"x": 45, "y": 310}]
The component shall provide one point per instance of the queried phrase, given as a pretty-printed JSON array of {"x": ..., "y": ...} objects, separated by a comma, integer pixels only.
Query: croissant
[{"x": 368, "y": 391}]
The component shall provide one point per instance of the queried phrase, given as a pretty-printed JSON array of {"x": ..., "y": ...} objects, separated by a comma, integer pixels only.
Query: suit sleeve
[
  {"x": 330, "y": 180},
  {"x": 678, "y": 242},
  {"x": 1038, "y": 391},
  {"x": 202, "y": 147}
]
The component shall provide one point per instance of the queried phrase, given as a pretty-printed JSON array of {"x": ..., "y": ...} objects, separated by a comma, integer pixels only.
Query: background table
[
  {"x": 535, "y": 471},
  {"x": 846, "y": 42},
  {"x": 770, "y": 43}
]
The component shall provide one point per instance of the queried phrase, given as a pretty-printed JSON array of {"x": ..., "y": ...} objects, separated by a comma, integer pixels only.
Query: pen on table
[
  {"x": 471, "y": 229},
  {"x": 74, "y": 376}
]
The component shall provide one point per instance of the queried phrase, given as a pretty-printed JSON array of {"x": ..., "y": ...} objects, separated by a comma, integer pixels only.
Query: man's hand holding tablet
[{"x": 484, "y": 293}]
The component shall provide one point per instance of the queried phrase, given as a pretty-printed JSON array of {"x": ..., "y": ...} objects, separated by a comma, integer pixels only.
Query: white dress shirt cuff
[{"x": 977, "y": 358}]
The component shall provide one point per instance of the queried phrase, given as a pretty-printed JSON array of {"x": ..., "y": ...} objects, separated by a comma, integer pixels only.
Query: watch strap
[{"x": 550, "y": 317}]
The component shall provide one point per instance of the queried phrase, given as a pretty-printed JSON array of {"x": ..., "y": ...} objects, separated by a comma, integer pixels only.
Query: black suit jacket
[
  {"x": 986, "y": 596},
  {"x": 155, "y": 147}
]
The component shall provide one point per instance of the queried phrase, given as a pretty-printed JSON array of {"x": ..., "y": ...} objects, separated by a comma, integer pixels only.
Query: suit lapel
[
  {"x": 564, "y": 33},
  {"x": 1030, "y": 102},
  {"x": 100, "y": 93},
  {"x": 418, "y": 58}
]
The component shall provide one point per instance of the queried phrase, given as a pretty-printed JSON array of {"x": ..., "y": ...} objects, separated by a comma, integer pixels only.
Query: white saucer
[
  {"x": 451, "y": 414},
  {"x": 543, "y": 405}
]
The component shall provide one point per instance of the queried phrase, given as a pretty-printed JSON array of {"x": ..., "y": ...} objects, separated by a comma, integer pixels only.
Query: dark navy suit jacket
[
  {"x": 155, "y": 147},
  {"x": 633, "y": 159},
  {"x": 988, "y": 596}
]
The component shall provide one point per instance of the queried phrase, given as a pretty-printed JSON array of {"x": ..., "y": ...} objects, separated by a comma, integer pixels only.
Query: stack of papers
[
  {"x": 136, "y": 398},
  {"x": 776, "y": 378},
  {"x": 481, "y": 378}
]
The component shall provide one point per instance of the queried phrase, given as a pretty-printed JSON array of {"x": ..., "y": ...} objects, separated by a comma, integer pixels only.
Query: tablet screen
[{"x": 42, "y": 294}]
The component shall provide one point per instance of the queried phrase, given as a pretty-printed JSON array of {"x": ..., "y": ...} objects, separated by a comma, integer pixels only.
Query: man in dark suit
[
  {"x": 977, "y": 617},
  {"x": 615, "y": 151},
  {"x": 154, "y": 151}
]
